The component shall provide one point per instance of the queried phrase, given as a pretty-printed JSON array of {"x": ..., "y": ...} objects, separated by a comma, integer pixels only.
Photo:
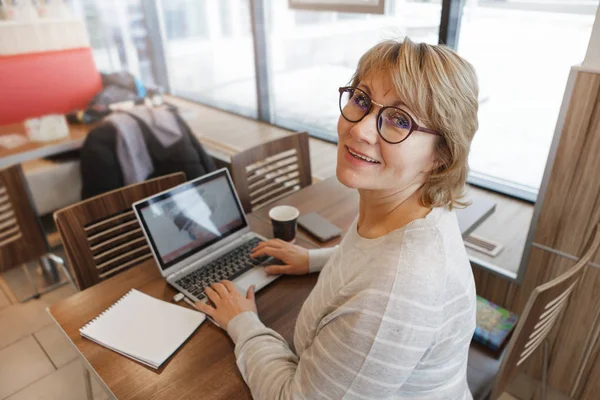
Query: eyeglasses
[{"x": 393, "y": 124}]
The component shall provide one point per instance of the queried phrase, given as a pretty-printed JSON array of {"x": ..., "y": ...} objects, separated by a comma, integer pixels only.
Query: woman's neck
[{"x": 381, "y": 212}]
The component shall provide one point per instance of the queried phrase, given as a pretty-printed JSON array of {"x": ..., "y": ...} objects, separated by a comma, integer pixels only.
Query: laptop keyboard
[{"x": 229, "y": 266}]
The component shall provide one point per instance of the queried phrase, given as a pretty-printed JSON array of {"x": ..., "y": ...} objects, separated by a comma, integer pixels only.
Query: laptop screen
[{"x": 191, "y": 217}]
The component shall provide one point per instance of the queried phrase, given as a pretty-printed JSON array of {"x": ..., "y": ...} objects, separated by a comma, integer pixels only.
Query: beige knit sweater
[{"x": 389, "y": 318}]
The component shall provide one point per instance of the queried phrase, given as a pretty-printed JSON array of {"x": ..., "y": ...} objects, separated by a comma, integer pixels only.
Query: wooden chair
[
  {"x": 271, "y": 170},
  {"x": 102, "y": 236},
  {"x": 22, "y": 239},
  {"x": 541, "y": 312}
]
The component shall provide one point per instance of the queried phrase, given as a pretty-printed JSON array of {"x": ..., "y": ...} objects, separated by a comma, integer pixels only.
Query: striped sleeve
[
  {"x": 362, "y": 350},
  {"x": 317, "y": 258}
]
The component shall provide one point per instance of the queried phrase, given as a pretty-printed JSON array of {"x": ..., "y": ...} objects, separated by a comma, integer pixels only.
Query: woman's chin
[{"x": 350, "y": 177}]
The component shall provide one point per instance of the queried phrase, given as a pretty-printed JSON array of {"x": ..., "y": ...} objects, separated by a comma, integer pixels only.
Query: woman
[{"x": 393, "y": 311}]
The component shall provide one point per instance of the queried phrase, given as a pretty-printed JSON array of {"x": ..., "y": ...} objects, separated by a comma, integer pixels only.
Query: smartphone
[{"x": 319, "y": 227}]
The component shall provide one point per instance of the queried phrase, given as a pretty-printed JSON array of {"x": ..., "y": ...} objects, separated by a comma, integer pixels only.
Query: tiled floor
[{"x": 37, "y": 360}]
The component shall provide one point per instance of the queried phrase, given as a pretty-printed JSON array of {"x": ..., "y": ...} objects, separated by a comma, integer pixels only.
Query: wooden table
[
  {"x": 34, "y": 150},
  {"x": 339, "y": 205},
  {"x": 204, "y": 367}
]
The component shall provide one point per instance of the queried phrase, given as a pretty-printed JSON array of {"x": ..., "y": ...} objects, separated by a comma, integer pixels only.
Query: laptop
[{"x": 199, "y": 234}]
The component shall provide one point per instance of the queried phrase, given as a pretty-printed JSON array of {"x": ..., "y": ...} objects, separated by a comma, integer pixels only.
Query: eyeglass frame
[{"x": 413, "y": 124}]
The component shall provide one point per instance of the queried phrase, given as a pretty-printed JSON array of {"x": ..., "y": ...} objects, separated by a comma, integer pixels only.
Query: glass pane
[
  {"x": 522, "y": 52},
  {"x": 210, "y": 54},
  {"x": 314, "y": 53},
  {"x": 118, "y": 35}
]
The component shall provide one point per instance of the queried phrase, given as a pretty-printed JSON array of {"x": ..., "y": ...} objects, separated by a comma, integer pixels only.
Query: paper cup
[{"x": 284, "y": 220}]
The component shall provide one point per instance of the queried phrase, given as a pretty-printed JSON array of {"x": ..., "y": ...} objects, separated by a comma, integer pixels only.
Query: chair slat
[
  {"x": 123, "y": 257},
  {"x": 5, "y": 207},
  {"x": 275, "y": 183},
  {"x": 9, "y": 233},
  {"x": 261, "y": 173},
  {"x": 115, "y": 229},
  {"x": 125, "y": 266},
  {"x": 560, "y": 297},
  {"x": 4, "y": 240},
  {"x": 538, "y": 338},
  {"x": 274, "y": 175},
  {"x": 269, "y": 160},
  {"x": 114, "y": 251},
  {"x": 116, "y": 240},
  {"x": 563, "y": 298},
  {"x": 287, "y": 186},
  {"x": 548, "y": 321},
  {"x": 4, "y": 199},
  {"x": 548, "y": 317},
  {"x": 2, "y": 190},
  {"x": 7, "y": 223},
  {"x": 109, "y": 221},
  {"x": 530, "y": 347},
  {"x": 6, "y": 215},
  {"x": 281, "y": 196}
]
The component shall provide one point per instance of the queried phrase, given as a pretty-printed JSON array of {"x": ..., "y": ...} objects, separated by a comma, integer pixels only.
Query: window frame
[{"x": 449, "y": 32}]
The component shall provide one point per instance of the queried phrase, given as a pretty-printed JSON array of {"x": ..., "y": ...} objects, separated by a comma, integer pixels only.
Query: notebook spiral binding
[{"x": 105, "y": 311}]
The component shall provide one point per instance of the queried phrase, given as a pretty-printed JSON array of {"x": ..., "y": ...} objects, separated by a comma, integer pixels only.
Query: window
[
  {"x": 118, "y": 36},
  {"x": 522, "y": 52},
  {"x": 314, "y": 53},
  {"x": 210, "y": 54}
]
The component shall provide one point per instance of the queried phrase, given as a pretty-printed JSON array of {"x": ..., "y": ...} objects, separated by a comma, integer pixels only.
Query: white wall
[{"x": 592, "y": 57}]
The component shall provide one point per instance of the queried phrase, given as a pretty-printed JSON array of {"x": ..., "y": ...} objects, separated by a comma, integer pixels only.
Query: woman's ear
[{"x": 440, "y": 157}]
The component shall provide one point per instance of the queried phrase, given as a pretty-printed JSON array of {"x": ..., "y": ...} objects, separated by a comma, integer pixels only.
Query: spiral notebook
[{"x": 143, "y": 328}]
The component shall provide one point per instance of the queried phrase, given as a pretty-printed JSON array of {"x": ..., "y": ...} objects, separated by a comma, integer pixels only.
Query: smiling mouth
[{"x": 361, "y": 157}]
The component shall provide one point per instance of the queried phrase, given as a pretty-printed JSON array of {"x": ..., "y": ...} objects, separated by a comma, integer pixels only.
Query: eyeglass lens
[{"x": 393, "y": 124}]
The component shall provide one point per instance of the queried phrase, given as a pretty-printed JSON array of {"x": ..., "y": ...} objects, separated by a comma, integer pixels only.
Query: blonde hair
[{"x": 441, "y": 89}]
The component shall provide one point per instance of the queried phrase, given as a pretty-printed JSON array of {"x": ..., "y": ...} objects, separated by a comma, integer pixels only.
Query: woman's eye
[
  {"x": 401, "y": 121},
  {"x": 361, "y": 101}
]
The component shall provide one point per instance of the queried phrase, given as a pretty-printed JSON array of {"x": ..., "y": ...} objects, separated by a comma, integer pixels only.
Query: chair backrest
[
  {"x": 271, "y": 170},
  {"x": 543, "y": 308},
  {"x": 21, "y": 236},
  {"x": 102, "y": 237}
]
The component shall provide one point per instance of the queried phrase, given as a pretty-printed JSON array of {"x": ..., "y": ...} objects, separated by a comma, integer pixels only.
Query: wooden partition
[{"x": 566, "y": 212}]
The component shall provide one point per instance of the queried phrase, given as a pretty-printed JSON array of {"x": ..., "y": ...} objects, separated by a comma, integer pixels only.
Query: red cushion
[{"x": 36, "y": 84}]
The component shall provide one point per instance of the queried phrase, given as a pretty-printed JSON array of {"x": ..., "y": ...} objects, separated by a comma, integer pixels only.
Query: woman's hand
[
  {"x": 228, "y": 302},
  {"x": 294, "y": 257}
]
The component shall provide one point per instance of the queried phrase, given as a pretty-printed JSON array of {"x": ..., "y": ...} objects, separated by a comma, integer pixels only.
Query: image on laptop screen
[{"x": 186, "y": 221}]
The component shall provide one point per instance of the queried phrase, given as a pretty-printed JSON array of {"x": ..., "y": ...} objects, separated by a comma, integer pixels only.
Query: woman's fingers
[
  {"x": 230, "y": 286},
  {"x": 220, "y": 289},
  {"x": 269, "y": 251},
  {"x": 280, "y": 242},
  {"x": 205, "y": 308},
  {"x": 250, "y": 292},
  {"x": 268, "y": 243},
  {"x": 212, "y": 295}
]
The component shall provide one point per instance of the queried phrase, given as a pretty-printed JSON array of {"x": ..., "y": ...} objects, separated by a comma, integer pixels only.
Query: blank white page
[{"x": 143, "y": 328}]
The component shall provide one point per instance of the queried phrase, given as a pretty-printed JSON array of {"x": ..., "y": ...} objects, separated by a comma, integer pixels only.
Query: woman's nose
[{"x": 366, "y": 130}]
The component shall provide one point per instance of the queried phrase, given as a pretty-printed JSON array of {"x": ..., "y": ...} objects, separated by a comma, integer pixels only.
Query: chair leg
[
  {"x": 545, "y": 369},
  {"x": 36, "y": 293},
  {"x": 57, "y": 260},
  {"x": 69, "y": 277},
  {"x": 51, "y": 278},
  {"x": 88, "y": 384}
]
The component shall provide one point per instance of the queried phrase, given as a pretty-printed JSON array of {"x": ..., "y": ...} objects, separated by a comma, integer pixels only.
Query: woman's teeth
[{"x": 364, "y": 158}]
